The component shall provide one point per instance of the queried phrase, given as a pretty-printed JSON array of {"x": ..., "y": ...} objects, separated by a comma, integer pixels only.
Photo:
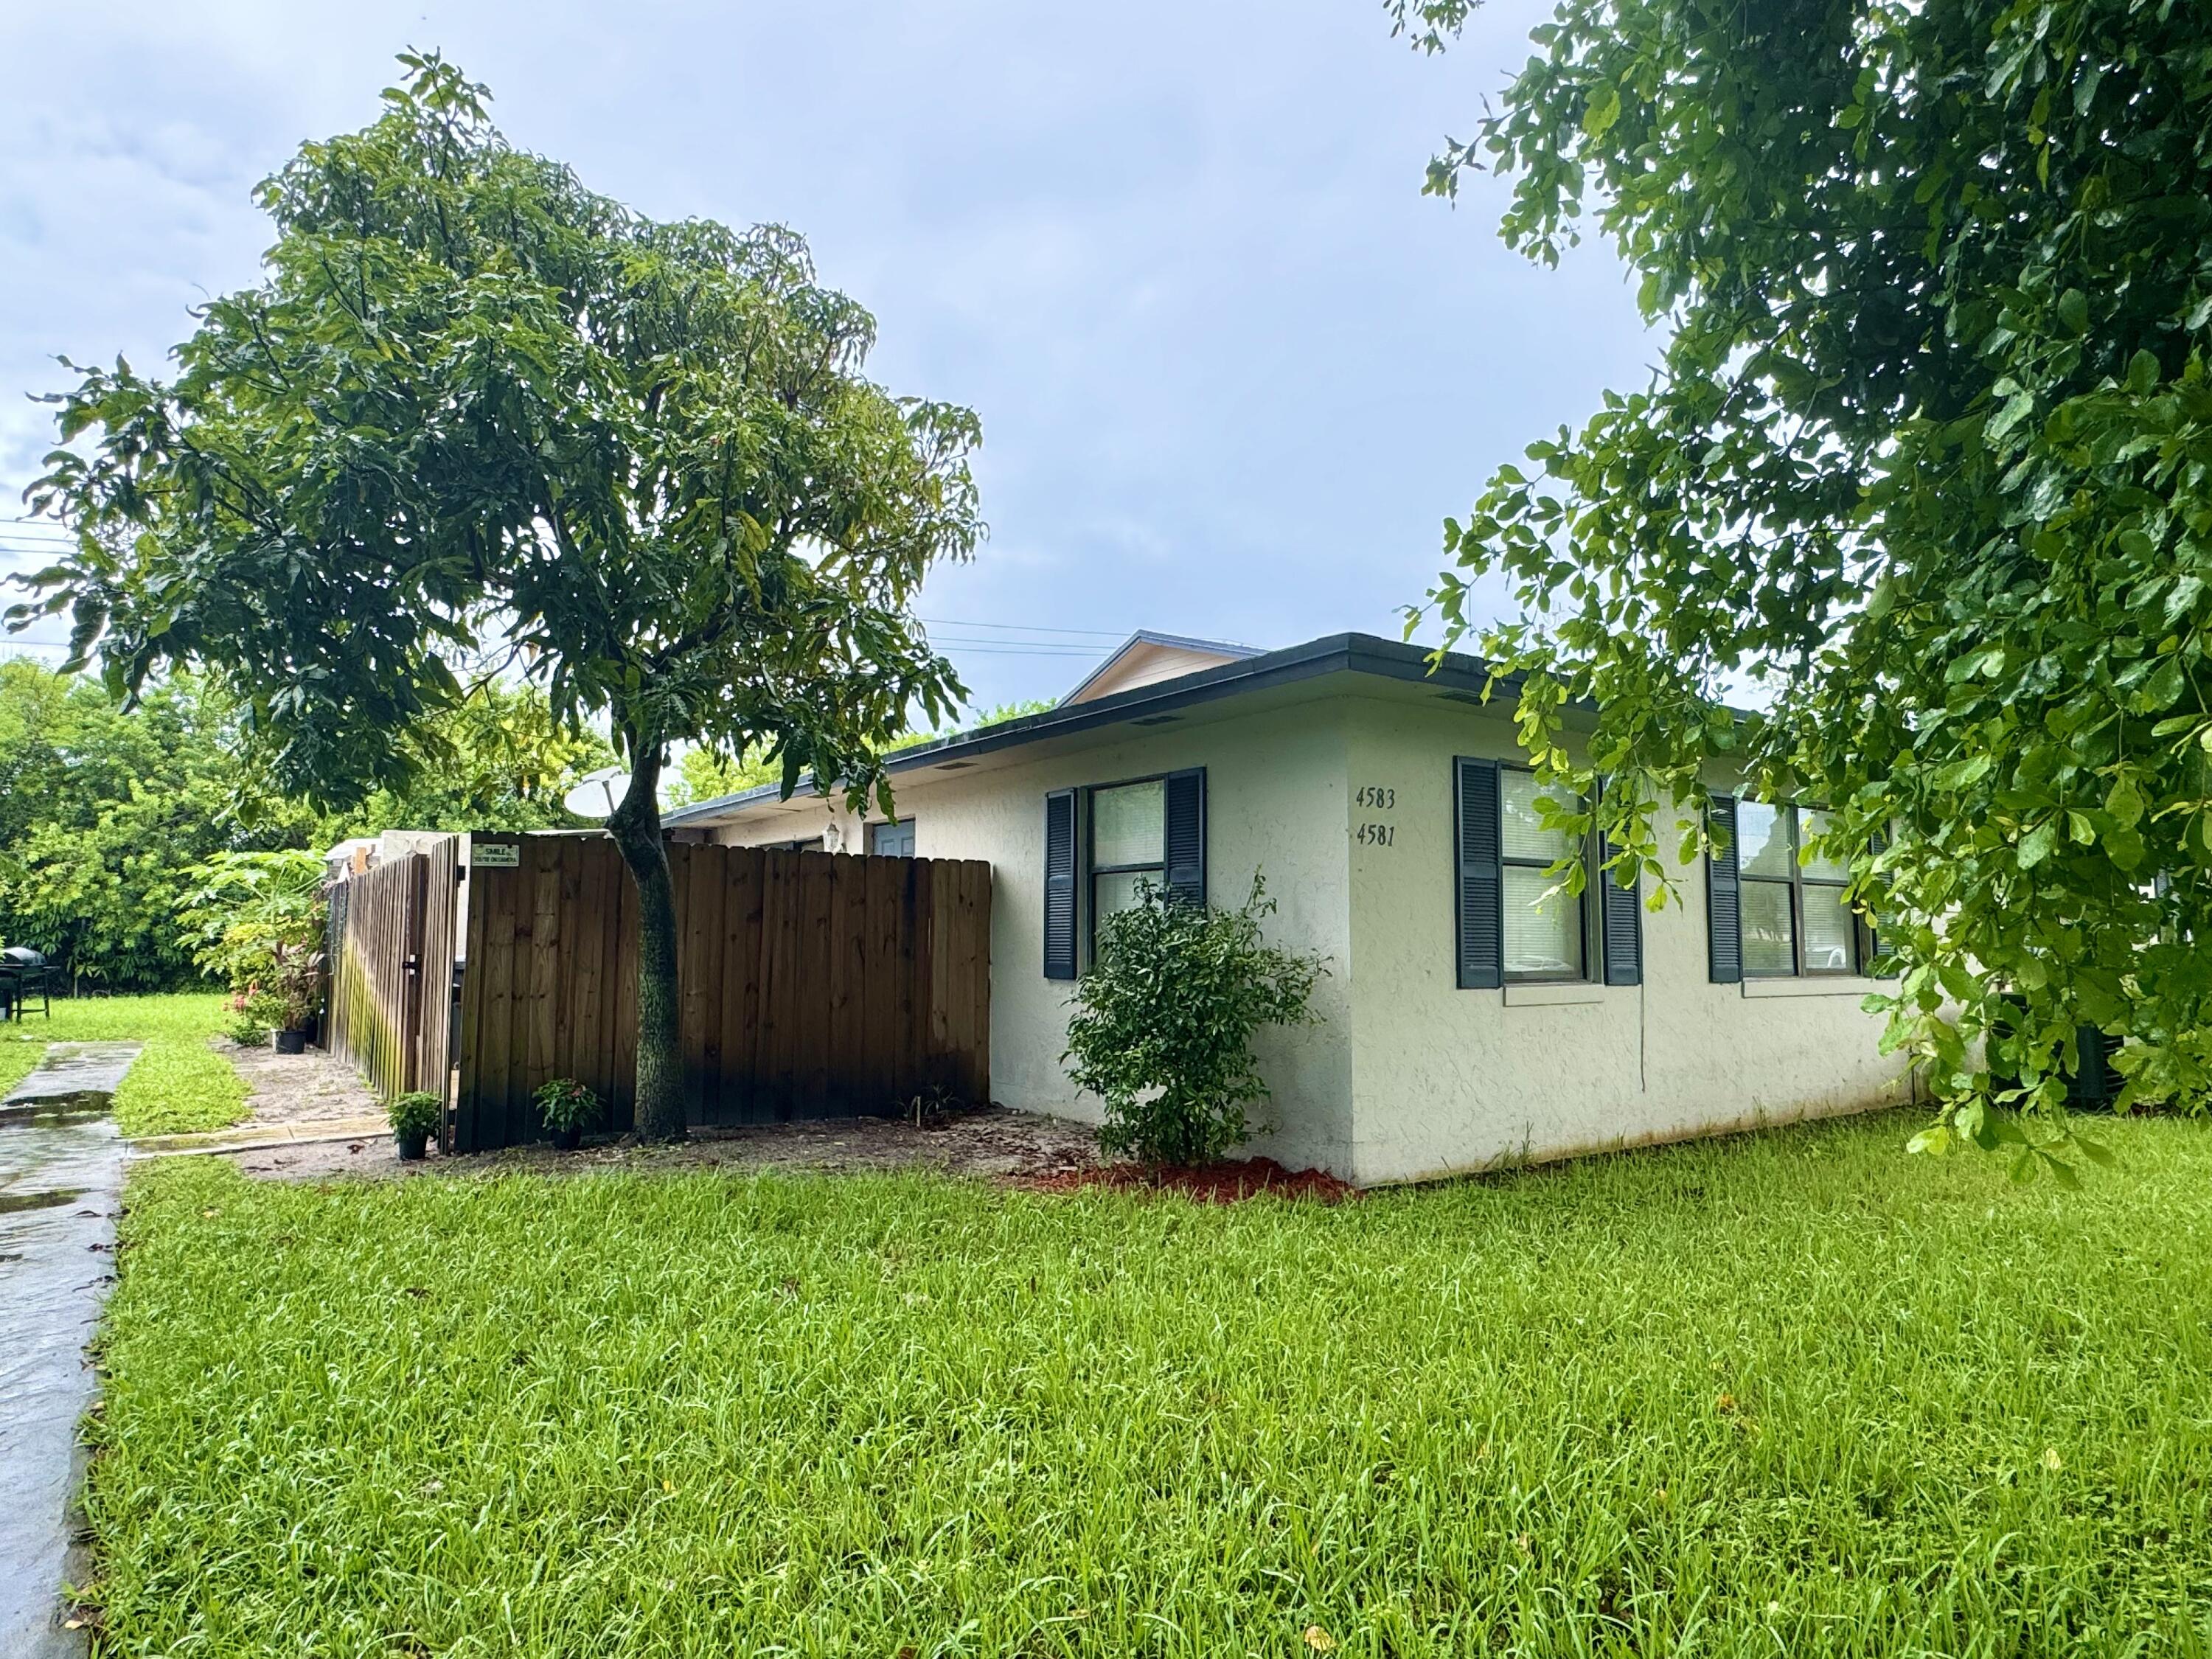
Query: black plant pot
[
  {"x": 291, "y": 1042},
  {"x": 413, "y": 1147},
  {"x": 567, "y": 1140}
]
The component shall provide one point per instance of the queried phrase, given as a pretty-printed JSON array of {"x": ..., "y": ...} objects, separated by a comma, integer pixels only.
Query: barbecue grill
[{"x": 24, "y": 974}]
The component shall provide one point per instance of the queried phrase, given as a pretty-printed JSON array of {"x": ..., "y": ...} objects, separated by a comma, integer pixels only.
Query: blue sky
[{"x": 1233, "y": 368}]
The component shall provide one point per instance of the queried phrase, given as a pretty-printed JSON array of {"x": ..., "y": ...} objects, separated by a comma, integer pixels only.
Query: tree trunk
[{"x": 636, "y": 827}]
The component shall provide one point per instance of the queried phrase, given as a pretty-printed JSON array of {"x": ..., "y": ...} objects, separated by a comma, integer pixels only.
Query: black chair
[{"x": 24, "y": 974}]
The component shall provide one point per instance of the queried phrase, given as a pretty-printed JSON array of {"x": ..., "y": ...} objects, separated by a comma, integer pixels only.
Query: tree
[
  {"x": 103, "y": 813},
  {"x": 105, "y": 810},
  {"x": 498, "y": 759},
  {"x": 473, "y": 403},
  {"x": 1927, "y": 453}
]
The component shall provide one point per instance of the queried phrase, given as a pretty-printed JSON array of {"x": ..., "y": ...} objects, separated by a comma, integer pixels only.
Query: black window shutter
[
  {"x": 1481, "y": 897},
  {"x": 1060, "y": 885},
  {"x": 1723, "y": 912},
  {"x": 1620, "y": 919},
  {"x": 1186, "y": 836}
]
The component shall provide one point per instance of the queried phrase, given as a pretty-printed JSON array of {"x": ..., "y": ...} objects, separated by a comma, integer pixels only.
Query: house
[{"x": 1464, "y": 1022}]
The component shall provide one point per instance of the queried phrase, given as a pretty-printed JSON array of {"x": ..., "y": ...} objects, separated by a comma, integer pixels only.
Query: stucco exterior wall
[{"x": 1445, "y": 1079}]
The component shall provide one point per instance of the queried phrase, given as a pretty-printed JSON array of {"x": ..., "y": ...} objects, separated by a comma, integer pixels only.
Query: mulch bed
[{"x": 1225, "y": 1182}]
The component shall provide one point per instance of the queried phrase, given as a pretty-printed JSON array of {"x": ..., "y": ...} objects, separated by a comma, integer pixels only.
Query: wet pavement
[{"x": 61, "y": 1178}]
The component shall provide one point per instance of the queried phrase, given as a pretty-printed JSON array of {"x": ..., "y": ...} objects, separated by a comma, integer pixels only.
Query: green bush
[
  {"x": 415, "y": 1114},
  {"x": 246, "y": 1021},
  {"x": 1164, "y": 1018},
  {"x": 256, "y": 921},
  {"x": 566, "y": 1104}
]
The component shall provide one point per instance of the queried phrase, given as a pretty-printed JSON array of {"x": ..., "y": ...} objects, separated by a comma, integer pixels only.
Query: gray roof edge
[{"x": 1357, "y": 653}]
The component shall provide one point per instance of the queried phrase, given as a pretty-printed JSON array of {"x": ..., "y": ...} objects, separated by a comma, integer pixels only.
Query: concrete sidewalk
[
  {"x": 61, "y": 1180},
  {"x": 254, "y": 1137}
]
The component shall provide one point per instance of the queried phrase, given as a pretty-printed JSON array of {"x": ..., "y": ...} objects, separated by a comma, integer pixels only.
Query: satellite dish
[{"x": 598, "y": 793}]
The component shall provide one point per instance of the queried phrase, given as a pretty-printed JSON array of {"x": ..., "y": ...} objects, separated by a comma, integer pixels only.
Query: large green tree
[
  {"x": 498, "y": 759},
  {"x": 106, "y": 809},
  {"x": 474, "y": 406},
  {"x": 1927, "y": 456}
]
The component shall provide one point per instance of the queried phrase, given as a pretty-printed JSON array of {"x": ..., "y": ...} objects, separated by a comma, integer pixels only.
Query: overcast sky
[{"x": 1233, "y": 369}]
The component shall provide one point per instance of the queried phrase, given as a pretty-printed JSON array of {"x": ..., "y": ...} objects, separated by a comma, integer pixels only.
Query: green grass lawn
[
  {"x": 176, "y": 1084},
  {"x": 1783, "y": 1395}
]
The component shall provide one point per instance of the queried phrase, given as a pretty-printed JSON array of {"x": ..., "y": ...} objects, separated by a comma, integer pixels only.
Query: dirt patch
[
  {"x": 1225, "y": 1182},
  {"x": 298, "y": 1088},
  {"x": 991, "y": 1142}
]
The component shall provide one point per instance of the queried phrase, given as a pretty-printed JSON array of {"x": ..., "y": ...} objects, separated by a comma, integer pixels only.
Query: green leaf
[
  {"x": 1965, "y": 774},
  {"x": 1604, "y": 109},
  {"x": 1932, "y": 1142},
  {"x": 2122, "y": 804},
  {"x": 2038, "y": 844}
]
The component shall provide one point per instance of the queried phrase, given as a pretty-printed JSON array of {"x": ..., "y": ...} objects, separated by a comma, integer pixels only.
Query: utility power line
[{"x": 1024, "y": 627}]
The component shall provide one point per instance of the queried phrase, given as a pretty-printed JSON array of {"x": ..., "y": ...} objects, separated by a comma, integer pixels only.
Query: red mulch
[{"x": 1225, "y": 1182}]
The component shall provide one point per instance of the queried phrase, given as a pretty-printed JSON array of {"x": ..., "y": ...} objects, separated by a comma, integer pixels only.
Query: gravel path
[
  {"x": 991, "y": 1143},
  {"x": 298, "y": 1088}
]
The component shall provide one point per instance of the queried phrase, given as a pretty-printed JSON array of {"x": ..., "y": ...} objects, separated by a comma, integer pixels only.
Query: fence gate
[
  {"x": 391, "y": 969},
  {"x": 813, "y": 985}
]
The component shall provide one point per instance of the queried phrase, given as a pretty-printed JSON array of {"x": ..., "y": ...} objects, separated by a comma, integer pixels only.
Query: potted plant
[
  {"x": 566, "y": 1104},
  {"x": 415, "y": 1119},
  {"x": 298, "y": 972}
]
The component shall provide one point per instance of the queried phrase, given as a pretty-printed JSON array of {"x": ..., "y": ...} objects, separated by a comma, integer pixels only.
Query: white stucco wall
[{"x": 1446, "y": 1079}]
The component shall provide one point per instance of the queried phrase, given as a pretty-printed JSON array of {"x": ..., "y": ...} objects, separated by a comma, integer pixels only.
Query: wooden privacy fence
[
  {"x": 390, "y": 965},
  {"x": 813, "y": 985}
]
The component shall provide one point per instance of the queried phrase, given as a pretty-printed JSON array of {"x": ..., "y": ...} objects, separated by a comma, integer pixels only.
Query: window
[
  {"x": 1544, "y": 937},
  {"x": 1103, "y": 843},
  {"x": 1128, "y": 845},
  {"x": 1511, "y": 925},
  {"x": 1792, "y": 918},
  {"x": 891, "y": 841}
]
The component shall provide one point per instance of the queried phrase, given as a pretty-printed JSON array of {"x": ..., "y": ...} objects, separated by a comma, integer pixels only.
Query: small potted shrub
[
  {"x": 299, "y": 994},
  {"x": 567, "y": 1105},
  {"x": 414, "y": 1120}
]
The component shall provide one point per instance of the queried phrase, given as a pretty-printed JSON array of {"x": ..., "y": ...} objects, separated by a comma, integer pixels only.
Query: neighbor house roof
[
  {"x": 1463, "y": 677},
  {"x": 1146, "y": 657}
]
